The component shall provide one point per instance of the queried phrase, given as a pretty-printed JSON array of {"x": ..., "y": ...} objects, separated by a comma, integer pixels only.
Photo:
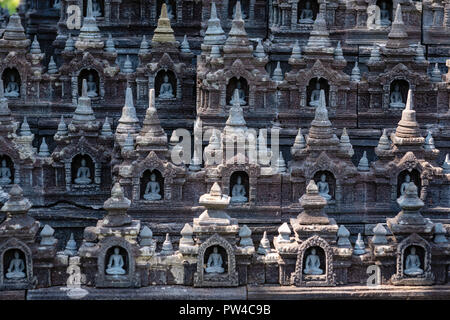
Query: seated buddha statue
[
  {"x": 166, "y": 90},
  {"x": 12, "y": 88},
  {"x": 116, "y": 263},
  {"x": 412, "y": 264},
  {"x": 324, "y": 188},
  {"x": 315, "y": 96},
  {"x": 312, "y": 264},
  {"x": 16, "y": 268},
  {"x": 92, "y": 90},
  {"x": 83, "y": 174},
  {"x": 396, "y": 100},
  {"x": 152, "y": 191},
  {"x": 5, "y": 174},
  {"x": 238, "y": 193},
  {"x": 215, "y": 262},
  {"x": 306, "y": 15}
]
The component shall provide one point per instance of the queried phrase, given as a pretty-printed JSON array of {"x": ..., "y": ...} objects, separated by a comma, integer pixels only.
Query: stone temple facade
[{"x": 344, "y": 104}]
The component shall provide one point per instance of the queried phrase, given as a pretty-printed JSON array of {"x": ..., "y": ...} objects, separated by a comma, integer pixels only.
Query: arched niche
[
  {"x": 307, "y": 11},
  {"x": 414, "y": 176},
  {"x": 6, "y": 170},
  {"x": 386, "y": 10},
  {"x": 244, "y": 182},
  {"x": 166, "y": 85},
  {"x": 313, "y": 91},
  {"x": 171, "y": 9},
  {"x": 245, "y": 8},
  {"x": 11, "y": 82},
  {"x": 9, "y": 265},
  {"x": 329, "y": 179},
  {"x": 98, "y": 8},
  {"x": 223, "y": 253},
  {"x": 398, "y": 89},
  {"x": 122, "y": 252},
  {"x": 242, "y": 85},
  {"x": 419, "y": 251},
  {"x": 146, "y": 188},
  {"x": 83, "y": 169},
  {"x": 93, "y": 82},
  {"x": 320, "y": 253}
]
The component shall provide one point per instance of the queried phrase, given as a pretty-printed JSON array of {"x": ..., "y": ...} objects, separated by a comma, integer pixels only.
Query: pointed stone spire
[
  {"x": 16, "y": 209},
  {"x": 246, "y": 237},
  {"x": 397, "y": 37},
  {"x": 14, "y": 30},
  {"x": 127, "y": 66},
  {"x": 185, "y": 45},
  {"x": 446, "y": 164},
  {"x": 280, "y": 164},
  {"x": 237, "y": 37},
  {"x": 215, "y": 52},
  {"x": 436, "y": 75},
  {"x": 52, "y": 68},
  {"x": 62, "y": 127},
  {"x": 313, "y": 206},
  {"x": 321, "y": 132},
  {"x": 363, "y": 163},
  {"x": 356, "y": 73},
  {"x": 235, "y": 123},
  {"x": 128, "y": 122},
  {"x": 110, "y": 46},
  {"x": 296, "y": 51},
  {"x": 411, "y": 205},
  {"x": 379, "y": 235},
  {"x": 90, "y": 36},
  {"x": 35, "y": 46},
  {"x": 43, "y": 149},
  {"x": 345, "y": 144},
  {"x": 343, "y": 237},
  {"x": 360, "y": 247},
  {"x": 259, "y": 51},
  {"x": 264, "y": 244},
  {"x": 439, "y": 233},
  {"x": 278, "y": 73},
  {"x": 214, "y": 34},
  {"x": 106, "y": 128},
  {"x": 47, "y": 238},
  {"x": 186, "y": 236},
  {"x": 83, "y": 113},
  {"x": 145, "y": 46},
  {"x": 375, "y": 55},
  {"x": 128, "y": 145},
  {"x": 151, "y": 134},
  {"x": 284, "y": 233},
  {"x": 420, "y": 57},
  {"x": 407, "y": 132},
  {"x": 429, "y": 142},
  {"x": 167, "y": 248},
  {"x": 319, "y": 38},
  {"x": 25, "y": 128},
  {"x": 70, "y": 44},
  {"x": 299, "y": 142},
  {"x": 338, "y": 53},
  {"x": 71, "y": 246},
  {"x": 146, "y": 237},
  {"x": 196, "y": 163},
  {"x": 164, "y": 31},
  {"x": 116, "y": 206},
  {"x": 384, "y": 143}
]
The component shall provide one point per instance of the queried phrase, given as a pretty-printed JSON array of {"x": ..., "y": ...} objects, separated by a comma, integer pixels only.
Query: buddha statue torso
[
  {"x": 315, "y": 96},
  {"x": 312, "y": 264},
  {"x": 152, "y": 191},
  {"x": 83, "y": 174},
  {"x": 12, "y": 88},
  {"x": 238, "y": 193},
  {"x": 115, "y": 264},
  {"x": 306, "y": 15},
  {"x": 166, "y": 90},
  {"x": 324, "y": 188},
  {"x": 16, "y": 268},
  {"x": 412, "y": 264},
  {"x": 404, "y": 185},
  {"x": 91, "y": 87},
  {"x": 5, "y": 174},
  {"x": 384, "y": 15},
  {"x": 396, "y": 99},
  {"x": 96, "y": 9},
  {"x": 215, "y": 263}
]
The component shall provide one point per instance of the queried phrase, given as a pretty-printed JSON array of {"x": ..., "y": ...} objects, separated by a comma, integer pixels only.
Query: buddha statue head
[
  {"x": 153, "y": 177},
  {"x": 323, "y": 177},
  {"x": 83, "y": 162},
  {"x": 407, "y": 178}
]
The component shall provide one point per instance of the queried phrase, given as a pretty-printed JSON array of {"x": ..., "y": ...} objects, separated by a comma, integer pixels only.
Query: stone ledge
[{"x": 267, "y": 292}]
